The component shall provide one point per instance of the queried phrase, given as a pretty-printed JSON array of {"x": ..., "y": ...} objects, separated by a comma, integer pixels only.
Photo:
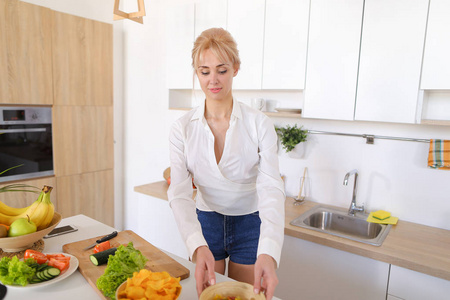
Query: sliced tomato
[
  {"x": 39, "y": 257},
  {"x": 55, "y": 255},
  {"x": 102, "y": 247},
  {"x": 61, "y": 264}
]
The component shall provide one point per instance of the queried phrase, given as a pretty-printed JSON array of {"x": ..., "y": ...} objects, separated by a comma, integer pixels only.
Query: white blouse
[{"x": 246, "y": 180}]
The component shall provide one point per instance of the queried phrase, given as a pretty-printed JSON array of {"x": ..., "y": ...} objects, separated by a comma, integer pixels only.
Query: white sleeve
[
  {"x": 271, "y": 195},
  {"x": 180, "y": 193}
]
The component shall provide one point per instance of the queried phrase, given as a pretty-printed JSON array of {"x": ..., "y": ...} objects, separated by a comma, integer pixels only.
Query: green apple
[{"x": 22, "y": 226}]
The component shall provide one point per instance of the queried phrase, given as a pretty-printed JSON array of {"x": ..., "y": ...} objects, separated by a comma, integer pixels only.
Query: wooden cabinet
[
  {"x": 83, "y": 123},
  {"x": 246, "y": 25},
  {"x": 392, "y": 44},
  {"x": 83, "y": 139},
  {"x": 436, "y": 60},
  {"x": 82, "y": 61},
  {"x": 333, "y": 54},
  {"x": 312, "y": 271},
  {"x": 91, "y": 194},
  {"x": 44, "y": 51},
  {"x": 4, "y": 86},
  {"x": 26, "y": 54},
  {"x": 412, "y": 285},
  {"x": 285, "y": 44}
]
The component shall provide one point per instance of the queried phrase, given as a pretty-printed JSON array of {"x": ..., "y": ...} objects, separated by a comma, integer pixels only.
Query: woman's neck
[{"x": 218, "y": 109}]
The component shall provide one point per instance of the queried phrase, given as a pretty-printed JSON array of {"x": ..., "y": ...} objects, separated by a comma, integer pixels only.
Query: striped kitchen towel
[{"x": 439, "y": 154}]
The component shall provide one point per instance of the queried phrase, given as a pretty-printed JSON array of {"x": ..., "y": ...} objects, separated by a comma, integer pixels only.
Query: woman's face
[{"x": 215, "y": 76}]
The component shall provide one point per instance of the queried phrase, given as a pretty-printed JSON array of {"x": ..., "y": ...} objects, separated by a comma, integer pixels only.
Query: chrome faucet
[{"x": 353, "y": 207}]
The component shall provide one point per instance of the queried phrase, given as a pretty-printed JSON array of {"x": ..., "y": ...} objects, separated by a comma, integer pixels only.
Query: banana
[
  {"x": 49, "y": 211},
  {"x": 48, "y": 219},
  {"x": 11, "y": 211},
  {"x": 39, "y": 212}
]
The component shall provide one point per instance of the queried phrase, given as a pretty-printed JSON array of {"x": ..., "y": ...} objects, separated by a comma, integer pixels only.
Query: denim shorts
[{"x": 236, "y": 237}]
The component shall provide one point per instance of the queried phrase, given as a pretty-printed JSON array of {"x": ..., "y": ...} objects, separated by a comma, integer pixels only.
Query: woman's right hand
[{"x": 204, "y": 269}]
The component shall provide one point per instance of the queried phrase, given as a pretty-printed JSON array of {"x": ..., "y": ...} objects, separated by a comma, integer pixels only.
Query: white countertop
[{"x": 75, "y": 286}]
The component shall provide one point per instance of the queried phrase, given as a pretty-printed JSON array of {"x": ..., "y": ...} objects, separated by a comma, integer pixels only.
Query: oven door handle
[{"x": 23, "y": 130}]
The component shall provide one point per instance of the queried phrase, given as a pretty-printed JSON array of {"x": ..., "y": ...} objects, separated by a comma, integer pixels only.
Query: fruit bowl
[
  {"x": 19, "y": 243},
  {"x": 231, "y": 289}
]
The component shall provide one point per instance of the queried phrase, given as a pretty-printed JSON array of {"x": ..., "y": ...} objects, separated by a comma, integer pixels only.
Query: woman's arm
[{"x": 180, "y": 193}]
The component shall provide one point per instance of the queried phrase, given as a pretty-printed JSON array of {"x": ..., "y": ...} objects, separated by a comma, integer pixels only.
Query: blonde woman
[{"x": 230, "y": 150}]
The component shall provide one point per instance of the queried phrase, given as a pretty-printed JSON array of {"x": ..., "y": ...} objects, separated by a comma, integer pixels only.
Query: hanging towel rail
[{"x": 369, "y": 137}]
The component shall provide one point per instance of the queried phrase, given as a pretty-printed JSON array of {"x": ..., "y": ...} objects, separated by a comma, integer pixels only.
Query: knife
[{"x": 103, "y": 239}]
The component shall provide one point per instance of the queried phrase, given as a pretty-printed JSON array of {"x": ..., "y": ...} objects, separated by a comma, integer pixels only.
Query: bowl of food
[
  {"x": 231, "y": 290},
  {"x": 23, "y": 242}
]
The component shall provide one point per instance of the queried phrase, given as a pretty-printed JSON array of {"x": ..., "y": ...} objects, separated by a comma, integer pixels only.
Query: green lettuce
[
  {"x": 16, "y": 272},
  {"x": 121, "y": 266}
]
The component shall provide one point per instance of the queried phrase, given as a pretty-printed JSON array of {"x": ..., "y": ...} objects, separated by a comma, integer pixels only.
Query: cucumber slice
[
  {"x": 48, "y": 273},
  {"x": 38, "y": 276},
  {"x": 35, "y": 280},
  {"x": 43, "y": 267},
  {"x": 101, "y": 258},
  {"x": 52, "y": 272}
]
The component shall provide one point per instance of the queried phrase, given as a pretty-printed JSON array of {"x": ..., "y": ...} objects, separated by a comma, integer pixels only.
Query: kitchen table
[{"x": 75, "y": 286}]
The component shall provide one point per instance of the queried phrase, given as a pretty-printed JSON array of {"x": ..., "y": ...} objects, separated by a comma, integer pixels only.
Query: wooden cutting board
[{"x": 157, "y": 260}]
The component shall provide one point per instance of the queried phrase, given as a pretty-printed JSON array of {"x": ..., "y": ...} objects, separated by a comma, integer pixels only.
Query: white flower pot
[{"x": 298, "y": 152}]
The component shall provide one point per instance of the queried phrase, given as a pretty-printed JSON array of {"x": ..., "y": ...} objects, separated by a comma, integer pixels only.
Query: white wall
[{"x": 393, "y": 174}]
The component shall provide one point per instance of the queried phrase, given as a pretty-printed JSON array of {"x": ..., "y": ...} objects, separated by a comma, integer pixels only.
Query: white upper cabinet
[
  {"x": 246, "y": 25},
  {"x": 180, "y": 37},
  {"x": 285, "y": 44},
  {"x": 209, "y": 14},
  {"x": 390, "y": 61},
  {"x": 332, "y": 63},
  {"x": 436, "y": 61}
]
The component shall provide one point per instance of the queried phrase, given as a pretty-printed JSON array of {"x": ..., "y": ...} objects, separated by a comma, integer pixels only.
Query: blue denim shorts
[{"x": 236, "y": 237}]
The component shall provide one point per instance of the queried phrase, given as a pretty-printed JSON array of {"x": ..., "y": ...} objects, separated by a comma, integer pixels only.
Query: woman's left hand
[{"x": 265, "y": 275}]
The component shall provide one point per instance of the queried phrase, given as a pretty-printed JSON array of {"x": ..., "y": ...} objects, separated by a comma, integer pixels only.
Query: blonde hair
[{"x": 221, "y": 44}]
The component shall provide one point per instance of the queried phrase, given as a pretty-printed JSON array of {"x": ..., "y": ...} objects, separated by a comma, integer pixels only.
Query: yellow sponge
[{"x": 381, "y": 214}]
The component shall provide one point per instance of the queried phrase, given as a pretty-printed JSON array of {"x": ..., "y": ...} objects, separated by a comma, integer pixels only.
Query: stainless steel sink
[{"x": 337, "y": 222}]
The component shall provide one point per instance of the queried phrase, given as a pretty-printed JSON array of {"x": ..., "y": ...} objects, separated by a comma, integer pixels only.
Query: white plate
[
  {"x": 289, "y": 110},
  {"x": 72, "y": 268}
]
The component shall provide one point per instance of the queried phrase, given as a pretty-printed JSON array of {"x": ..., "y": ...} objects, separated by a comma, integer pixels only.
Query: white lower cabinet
[
  {"x": 312, "y": 271},
  {"x": 153, "y": 220},
  {"x": 412, "y": 285}
]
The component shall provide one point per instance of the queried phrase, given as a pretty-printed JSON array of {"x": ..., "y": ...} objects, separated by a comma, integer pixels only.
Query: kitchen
[{"x": 405, "y": 187}]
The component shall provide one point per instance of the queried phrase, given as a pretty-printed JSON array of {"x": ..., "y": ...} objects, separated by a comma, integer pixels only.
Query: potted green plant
[{"x": 291, "y": 136}]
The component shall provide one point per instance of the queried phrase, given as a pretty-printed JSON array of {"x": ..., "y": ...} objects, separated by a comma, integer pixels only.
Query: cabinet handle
[{"x": 22, "y": 130}]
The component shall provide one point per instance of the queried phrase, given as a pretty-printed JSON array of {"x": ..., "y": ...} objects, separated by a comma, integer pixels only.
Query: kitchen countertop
[
  {"x": 408, "y": 245},
  {"x": 75, "y": 286}
]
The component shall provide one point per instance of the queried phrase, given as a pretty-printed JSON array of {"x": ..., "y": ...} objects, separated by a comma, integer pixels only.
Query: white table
[{"x": 75, "y": 286}]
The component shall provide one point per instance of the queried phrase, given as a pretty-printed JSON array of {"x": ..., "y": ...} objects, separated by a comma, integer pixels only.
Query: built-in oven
[{"x": 25, "y": 142}]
